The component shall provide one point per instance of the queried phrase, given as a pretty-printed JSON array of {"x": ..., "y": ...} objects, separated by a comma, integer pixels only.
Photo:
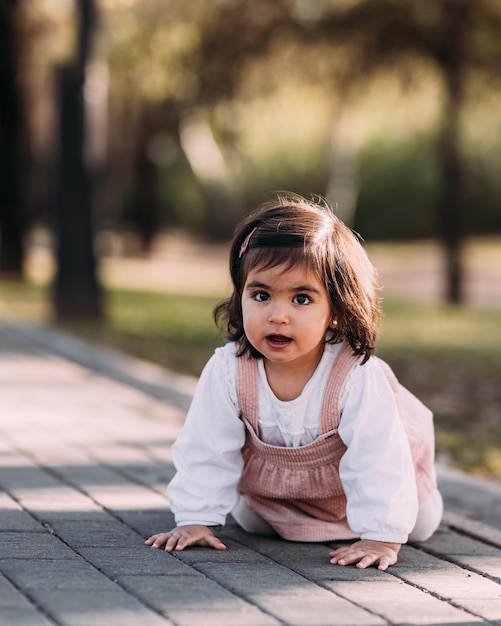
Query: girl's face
[{"x": 286, "y": 313}]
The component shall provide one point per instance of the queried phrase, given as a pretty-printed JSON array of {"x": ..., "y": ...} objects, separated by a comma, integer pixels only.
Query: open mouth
[{"x": 278, "y": 340}]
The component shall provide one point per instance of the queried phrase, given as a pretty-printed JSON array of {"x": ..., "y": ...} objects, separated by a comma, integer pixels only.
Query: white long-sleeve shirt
[{"x": 376, "y": 471}]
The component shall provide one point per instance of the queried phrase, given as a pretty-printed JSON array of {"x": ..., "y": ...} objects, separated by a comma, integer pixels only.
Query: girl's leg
[
  {"x": 249, "y": 520},
  {"x": 429, "y": 517}
]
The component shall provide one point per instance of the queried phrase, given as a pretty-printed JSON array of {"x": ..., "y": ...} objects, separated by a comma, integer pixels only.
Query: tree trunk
[
  {"x": 12, "y": 216},
  {"x": 77, "y": 293},
  {"x": 451, "y": 204},
  {"x": 451, "y": 208}
]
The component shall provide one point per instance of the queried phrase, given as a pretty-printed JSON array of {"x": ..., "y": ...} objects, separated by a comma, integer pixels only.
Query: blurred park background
[{"x": 134, "y": 134}]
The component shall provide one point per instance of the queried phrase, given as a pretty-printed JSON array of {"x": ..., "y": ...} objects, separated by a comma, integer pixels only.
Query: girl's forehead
[{"x": 299, "y": 274}]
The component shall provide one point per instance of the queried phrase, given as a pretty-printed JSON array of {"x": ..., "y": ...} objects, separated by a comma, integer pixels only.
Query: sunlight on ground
[{"x": 177, "y": 264}]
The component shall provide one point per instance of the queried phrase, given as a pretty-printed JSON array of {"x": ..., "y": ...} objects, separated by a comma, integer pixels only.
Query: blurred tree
[
  {"x": 179, "y": 70},
  {"x": 77, "y": 293},
  {"x": 143, "y": 201},
  {"x": 12, "y": 146},
  {"x": 460, "y": 39}
]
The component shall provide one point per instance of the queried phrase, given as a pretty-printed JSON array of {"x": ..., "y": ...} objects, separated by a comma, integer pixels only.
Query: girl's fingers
[
  {"x": 174, "y": 543},
  {"x": 157, "y": 541},
  {"x": 216, "y": 543},
  {"x": 383, "y": 564},
  {"x": 179, "y": 539},
  {"x": 344, "y": 556},
  {"x": 362, "y": 560},
  {"x": 367, "y": 561}
]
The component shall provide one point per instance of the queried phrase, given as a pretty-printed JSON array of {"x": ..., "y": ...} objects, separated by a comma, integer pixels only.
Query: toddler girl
[{"x": 296, "y": 428}]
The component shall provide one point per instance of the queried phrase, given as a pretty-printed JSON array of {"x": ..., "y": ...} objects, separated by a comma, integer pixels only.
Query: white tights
[{"x": 429, "y": 516}]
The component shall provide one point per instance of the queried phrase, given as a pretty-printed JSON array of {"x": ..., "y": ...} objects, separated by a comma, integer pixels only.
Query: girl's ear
[{"x": 333, "y": 323}]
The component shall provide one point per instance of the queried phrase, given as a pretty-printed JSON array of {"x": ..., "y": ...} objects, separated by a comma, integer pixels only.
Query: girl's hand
[
  {"x": 367, "y": 552},
  {"x": 181, "y": 537}
]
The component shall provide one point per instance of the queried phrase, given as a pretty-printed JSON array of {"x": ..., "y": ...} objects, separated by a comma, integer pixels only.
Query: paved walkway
[{"x": 84, "y": 444}]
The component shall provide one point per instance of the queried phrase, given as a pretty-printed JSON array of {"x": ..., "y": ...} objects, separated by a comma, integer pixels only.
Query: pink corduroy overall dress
[{"x": 298, "y": 491}]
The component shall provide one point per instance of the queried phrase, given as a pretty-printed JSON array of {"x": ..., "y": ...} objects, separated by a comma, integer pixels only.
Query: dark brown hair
[{"x": 290, "y": 230}]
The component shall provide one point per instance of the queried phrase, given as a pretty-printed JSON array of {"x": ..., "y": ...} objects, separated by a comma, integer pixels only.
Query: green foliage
[
  {"x": 24, "y": 301},
  {"x": 483, "y": 188},
  {"x": 396, "y": 186},
  {"x": 397, "y": 189},
  {"x": 423, "y": 326}
]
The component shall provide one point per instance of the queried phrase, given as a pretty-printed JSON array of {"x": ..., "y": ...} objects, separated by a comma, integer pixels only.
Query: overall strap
[
  {"x": 247, "y": 390},
  {"x": 341, "y": 368}
]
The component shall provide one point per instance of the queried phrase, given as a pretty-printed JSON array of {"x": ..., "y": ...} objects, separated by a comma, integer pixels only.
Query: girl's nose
[{"x": 278, "y": 315}]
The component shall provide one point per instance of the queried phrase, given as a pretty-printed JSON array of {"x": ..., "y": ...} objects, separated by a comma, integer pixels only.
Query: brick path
[{"x": 84, "y": 448}]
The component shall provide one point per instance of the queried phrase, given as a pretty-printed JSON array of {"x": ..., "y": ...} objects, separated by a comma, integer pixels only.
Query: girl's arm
[
  {"x": 377, "y": 471},
  {"x": 207, "y": 457}
]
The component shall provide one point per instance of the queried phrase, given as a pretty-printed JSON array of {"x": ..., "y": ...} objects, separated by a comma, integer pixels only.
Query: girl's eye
[
  {"x": 261, "y": 296},
  {"x": 301, "y": 299}
]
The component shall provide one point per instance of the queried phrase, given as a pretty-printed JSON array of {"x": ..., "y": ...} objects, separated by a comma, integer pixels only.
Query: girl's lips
[{"x": 278, "y": 340}]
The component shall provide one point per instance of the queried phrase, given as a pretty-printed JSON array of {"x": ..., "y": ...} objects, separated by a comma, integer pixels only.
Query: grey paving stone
[
  {"x": 192, "y": 591},
  {"x": 106, "y": 532},
  {"x": 141, "y": 560},
  {"x": 34, "y": 546},
  {"x": 289, "y": 597},
  {"x": 234, "y": 553},
  {"x": 148, "y": 522},
  {"x": 313, "y": 606},
  {"x": 153, "y": 475},
  {"x": 96, "y": 608},
  {"x": 30, "y": 477},
  {"x": 454, "y": 583},
  {"x": 485, "y": 565},
  {"x": 14, "y": 517},
  {"x": 23, "y": 617},
  {"x": 312, "y": 559},
  {"x": 16, "y": 608},
  {"x": 89, "y": 475},
  {"x": 128, "y": 371},
  {"x": 127, "y": 496},
  {"x": 473, "y": 497},
  {"x": 449, "y": 542},
  {"x": 245, "y": 617},
  {"x": 50, "y": 518},
  {"x": 10, "y": 597},
  {"x": 58, "y": 500},
  {"x": 19, "y": 521},
  {"x": 461, "y": 588},
  {"x": 486, "y": 608},
  {"x": 348, "y": 573},
  {"x": 399, "y": 603},
  {"x": 246, "y": 579},
  {"x": 308, "y": 559},
  {"x": 413, "y": 557},
  {"x": 72, "y": 575}
]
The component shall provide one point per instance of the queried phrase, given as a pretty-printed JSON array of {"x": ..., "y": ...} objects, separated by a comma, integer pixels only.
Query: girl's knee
[
  {"x": 429, "y": 517},
  {"x": 249, "y": 520}
]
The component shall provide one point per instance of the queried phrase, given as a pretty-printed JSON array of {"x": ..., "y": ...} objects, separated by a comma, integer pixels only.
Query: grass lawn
[{"x": 449, "y": 357}]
